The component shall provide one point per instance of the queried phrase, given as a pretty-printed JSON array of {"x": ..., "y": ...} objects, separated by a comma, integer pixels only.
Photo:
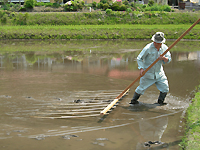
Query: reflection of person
[
  {"x": 156, "y": 74},
  {"x": 152, "y": 130}
]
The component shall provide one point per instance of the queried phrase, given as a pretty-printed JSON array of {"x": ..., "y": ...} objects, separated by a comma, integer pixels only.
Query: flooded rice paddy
[{"x": 51, "y": 97}]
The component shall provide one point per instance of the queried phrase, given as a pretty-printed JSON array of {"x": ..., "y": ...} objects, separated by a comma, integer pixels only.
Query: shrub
[
  {"x": 40, "y": 4},
  {"x": 100, "y": 5},
  {"x": 15, "y": 7},
  {"x": 108, "y": 11},
  {"x": 105, "y": 6},
  {"x": 166, "y": 8},
  {"x": 148, "y": 8},
  {"x": 22, "y": 9},
  {"x": 122, "y": 7},
  {"x": 11, "y": 4},
  {"x": 12, "y": 15},
  {"x": 126, "y": 2},
  {"x": 71, "y": 6},
  {"x": 4, "y": 19},
  {"x": 151, "y": 2},
  {"x": 129, "y": 10},
  {"x": 132, "y": 4},
  {"x": 115, "y": 6},
  {"x": 104, "y": 1},
  {"x": 2, "y": 13},
  {"x": 144, "y": 6},
  {"x": 80, "y": 5},
  {"x": 29, "y": 3},
  {"x": 155, "y": 7},
  {"x": 5, "y": 7},
  {"x": 56, "y": 5},
  {"x": 68, "y": 7},
  {"x": 21, "y": 19},
  {"x": 74, "y": 5},
  {"x": 94, "y": 5},
  {"x": 48, "y": 4}
]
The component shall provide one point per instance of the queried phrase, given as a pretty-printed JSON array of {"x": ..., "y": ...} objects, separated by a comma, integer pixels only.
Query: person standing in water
[{"x": 156, "y": 74}]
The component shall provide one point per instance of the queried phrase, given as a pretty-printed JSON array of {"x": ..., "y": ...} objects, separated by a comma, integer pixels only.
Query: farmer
[{"x": 156, "y": 74}]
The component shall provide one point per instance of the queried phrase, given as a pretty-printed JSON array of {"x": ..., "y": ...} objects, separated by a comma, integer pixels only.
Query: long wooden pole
[{"x": 126, "y": 89}]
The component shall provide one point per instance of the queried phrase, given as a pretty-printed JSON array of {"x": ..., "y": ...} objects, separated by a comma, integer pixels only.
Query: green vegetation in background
[
  {"x": 29, "y": 3},
  {"x": 97, "y": 32},
  {"x": 97, "y": 18},
  {"x": 191, "y": 141},
  {"x": 78, "y": 5}
]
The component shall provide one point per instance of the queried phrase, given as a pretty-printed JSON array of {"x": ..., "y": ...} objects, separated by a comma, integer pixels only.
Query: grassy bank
[
  {"x": 97, "y": 25},
  {"x": 96, "y": 32},
  {"x": 191, "y": 141},
  {"x": 98, "y": 18}
]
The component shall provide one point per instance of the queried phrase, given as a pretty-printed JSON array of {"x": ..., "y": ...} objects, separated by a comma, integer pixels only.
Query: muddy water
[{"x": 39, "y": 91}]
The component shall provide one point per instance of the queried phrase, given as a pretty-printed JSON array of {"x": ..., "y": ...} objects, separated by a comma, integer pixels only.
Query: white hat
[{"x": 158, "y": 37}]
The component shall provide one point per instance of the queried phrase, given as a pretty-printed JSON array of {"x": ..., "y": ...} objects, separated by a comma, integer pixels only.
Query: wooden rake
[
  {"x": 127, "y": 88},
  {"x": 83, "y": 109}
]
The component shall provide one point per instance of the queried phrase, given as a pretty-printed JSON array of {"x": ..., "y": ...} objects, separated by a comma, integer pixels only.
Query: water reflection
[
  {"x": 38, "y": 83},
  {"x": 151, "y": 132},
  {"x": 115, "y": 65},
  {"x": 81, "y": 60}
]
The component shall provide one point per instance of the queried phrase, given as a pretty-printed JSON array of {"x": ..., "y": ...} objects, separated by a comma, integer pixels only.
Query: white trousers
[{"x": 161, "y": 84}]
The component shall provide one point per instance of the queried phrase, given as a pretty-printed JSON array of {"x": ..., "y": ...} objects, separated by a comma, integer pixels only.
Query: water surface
[{"x": 44, "y": 83}]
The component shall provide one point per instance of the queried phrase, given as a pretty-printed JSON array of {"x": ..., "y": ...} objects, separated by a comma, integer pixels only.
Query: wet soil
[{"x": 39, "y": 107}]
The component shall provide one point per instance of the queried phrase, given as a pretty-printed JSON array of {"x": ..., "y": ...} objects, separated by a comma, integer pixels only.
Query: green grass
[
  {"x": 191, "y": 141},
  {"x": 120, "y": 26},
  {"x": 96, "y": 31},
  {"x": 98, "y": 18}
]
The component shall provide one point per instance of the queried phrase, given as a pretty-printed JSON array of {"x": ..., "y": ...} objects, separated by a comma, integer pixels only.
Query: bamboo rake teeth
[
  {"x": 72, "y": 112},
  {"x": 114, "y": 102},
  {"x": 67, "y": 117},
  {"x": 80, "y": 108}
]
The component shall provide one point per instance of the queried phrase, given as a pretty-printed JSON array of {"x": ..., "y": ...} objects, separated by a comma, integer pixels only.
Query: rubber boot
[
  {"x": 135, "y": 98},
  {"x": 161, "y": 98}
]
